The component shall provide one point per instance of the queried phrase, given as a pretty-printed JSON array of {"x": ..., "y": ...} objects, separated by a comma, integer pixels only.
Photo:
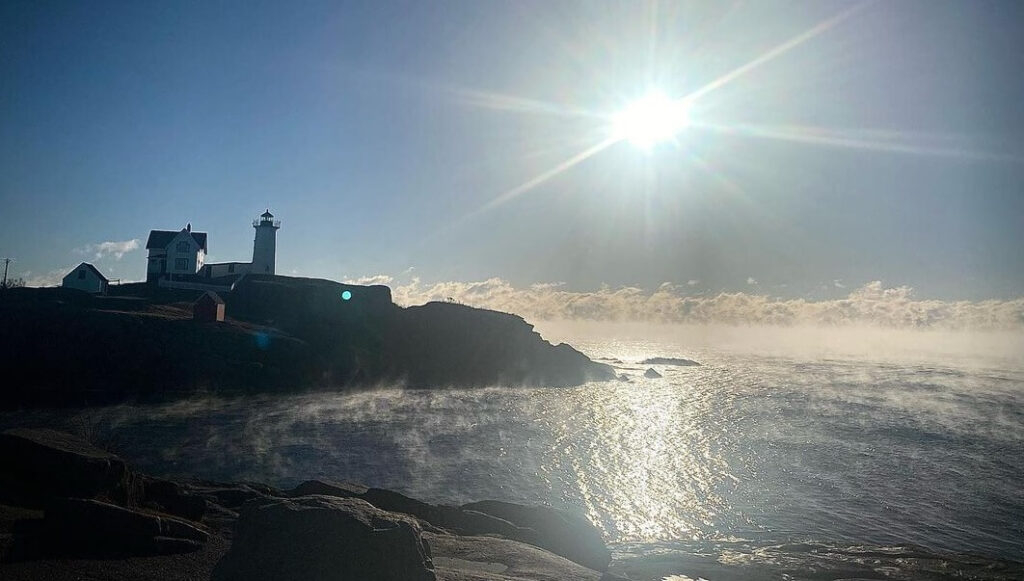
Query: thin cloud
[
  {"x": 52, "y": 278},
  {"x": 111, "y": 248},
  {"x": 370, "y": 280},
  {"x": 871, "y": 304}
]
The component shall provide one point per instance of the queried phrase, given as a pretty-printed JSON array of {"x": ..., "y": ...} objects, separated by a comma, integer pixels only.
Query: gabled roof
[
  {"x": 161, "y": 238},
  {"x": 213, "y": 296},
  {"x": 92, "y": 268}
]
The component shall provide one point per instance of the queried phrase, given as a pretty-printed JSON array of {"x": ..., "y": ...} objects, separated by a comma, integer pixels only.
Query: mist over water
[{"x": 843, "y": 437}]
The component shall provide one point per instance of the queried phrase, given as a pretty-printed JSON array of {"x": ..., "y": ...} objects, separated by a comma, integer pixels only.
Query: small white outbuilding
[{"x": 85, "y": 277}]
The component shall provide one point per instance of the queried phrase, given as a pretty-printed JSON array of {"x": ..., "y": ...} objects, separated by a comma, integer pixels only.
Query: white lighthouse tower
[{"x": 264, "y": 248}]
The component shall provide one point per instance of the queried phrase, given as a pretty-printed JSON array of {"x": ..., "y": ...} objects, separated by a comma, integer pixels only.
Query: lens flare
[{"x": 651, "y": 120}]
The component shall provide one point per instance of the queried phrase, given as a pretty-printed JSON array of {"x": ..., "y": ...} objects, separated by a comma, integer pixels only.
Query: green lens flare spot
[{"x": 346, "y": 295}]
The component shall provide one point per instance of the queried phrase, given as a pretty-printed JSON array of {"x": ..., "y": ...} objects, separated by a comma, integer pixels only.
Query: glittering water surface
[{"x": 747, "y": 453}]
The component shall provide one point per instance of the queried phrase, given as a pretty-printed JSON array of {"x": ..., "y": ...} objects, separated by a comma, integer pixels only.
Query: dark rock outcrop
[
  {"x": 562, "y": 533},
  {"x": 670, "y": 361},
  {"x": 333, "y": 534},
  {"x": 41, "y": 464},
  {"x": 321, "y": 538},
  {"x": 281, "y": 333},
  {"x": 76, "y": 526},
  {"x": 443, "y": 344},
  {"x": 651, "y": 373}
]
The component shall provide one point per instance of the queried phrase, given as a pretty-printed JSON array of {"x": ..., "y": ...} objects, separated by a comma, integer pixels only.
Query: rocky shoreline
[{"x": 69, "y": 510}]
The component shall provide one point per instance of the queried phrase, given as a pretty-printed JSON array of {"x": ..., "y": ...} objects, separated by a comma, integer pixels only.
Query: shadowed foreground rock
[
  {"x": 558, "y": 531},
  {"x": 39, "y": 464},
  {"x": 123, "y": 527},
  {"x": 75, "y": 526},
  {"x": 92, "y": 501},
  {"x": 172, "y": 498},
  {"x": 320, "y": 538}
]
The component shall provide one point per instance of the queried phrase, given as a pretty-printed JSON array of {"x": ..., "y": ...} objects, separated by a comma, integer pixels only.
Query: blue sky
[{"x": 887, "y": 145}]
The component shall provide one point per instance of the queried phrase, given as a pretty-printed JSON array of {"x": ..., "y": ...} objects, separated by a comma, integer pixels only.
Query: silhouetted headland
[{"x": 281, "y": 334}]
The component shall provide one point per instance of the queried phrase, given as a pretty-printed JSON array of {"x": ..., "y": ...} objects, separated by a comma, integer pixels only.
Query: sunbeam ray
[
  {"x": 897, "y": 142},
  {"x": 779, "y": 50},
  {"x": 503, "y": 102},
  {"x": 546, "y": 175}
]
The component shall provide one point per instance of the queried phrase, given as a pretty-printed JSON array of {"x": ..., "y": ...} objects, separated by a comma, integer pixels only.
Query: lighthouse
[{"x": 264, "y": 248}]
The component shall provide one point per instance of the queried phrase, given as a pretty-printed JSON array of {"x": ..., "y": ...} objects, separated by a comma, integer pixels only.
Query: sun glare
[{"x": 651, "y": 120}]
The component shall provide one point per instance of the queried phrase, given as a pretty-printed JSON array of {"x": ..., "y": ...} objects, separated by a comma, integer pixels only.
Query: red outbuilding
[{"x": 208, "y": 308}]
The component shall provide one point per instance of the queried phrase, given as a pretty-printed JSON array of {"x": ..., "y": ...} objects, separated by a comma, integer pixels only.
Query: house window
[
  {"x": 231, "y": 268},
  {"x": 180, "y": 263},
  {"x": 81, "y": 274},
  {"x": 184, "y": 246}
]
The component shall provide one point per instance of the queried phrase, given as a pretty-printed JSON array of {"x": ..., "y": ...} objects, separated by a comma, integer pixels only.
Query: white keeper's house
[
  {"x": 181, "y": 255},
  {"x": 175, "y": 255}
]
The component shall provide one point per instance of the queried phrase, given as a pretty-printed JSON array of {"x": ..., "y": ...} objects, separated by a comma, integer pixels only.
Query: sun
[{"x": 651, "y": 120}]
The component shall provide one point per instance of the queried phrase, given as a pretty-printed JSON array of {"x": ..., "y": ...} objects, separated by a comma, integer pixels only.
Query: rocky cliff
[{"x": 64, "y": 347}]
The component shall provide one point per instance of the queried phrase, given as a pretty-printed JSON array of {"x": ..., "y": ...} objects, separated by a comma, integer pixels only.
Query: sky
[{"x": 832, "y": 148}]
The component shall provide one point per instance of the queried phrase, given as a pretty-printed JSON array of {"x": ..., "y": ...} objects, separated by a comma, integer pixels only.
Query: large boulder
[
  {"x": 563, "y": 533},
  {"x": 37, "y": 465},
  {"x": 322, "y": 538},
  {"x": 560, "y": 532}
]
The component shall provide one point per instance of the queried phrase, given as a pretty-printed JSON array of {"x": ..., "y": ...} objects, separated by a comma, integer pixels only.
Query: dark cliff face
[
  {"x": 451, "y": 344},
  {"x": 61, "y": 347}
]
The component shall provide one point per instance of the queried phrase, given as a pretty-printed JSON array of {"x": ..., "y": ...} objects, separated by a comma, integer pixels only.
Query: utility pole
[{"x": 7, "y": 262}]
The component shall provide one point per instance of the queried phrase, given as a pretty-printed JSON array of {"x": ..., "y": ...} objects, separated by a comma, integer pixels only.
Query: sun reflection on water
[{"x": 644, "y": 467}]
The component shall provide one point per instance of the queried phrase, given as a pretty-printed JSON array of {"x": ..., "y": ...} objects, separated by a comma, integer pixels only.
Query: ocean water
[{"x": 785, "y": 455}]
